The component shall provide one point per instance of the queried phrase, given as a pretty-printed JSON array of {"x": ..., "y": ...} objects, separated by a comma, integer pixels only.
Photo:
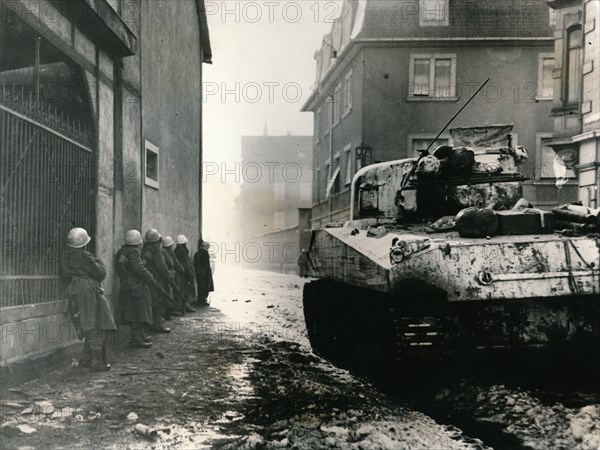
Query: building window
[
  {"x": 279, "y": 191},
  {"x": 329, "y": 110},
  {"x": 545, "y": 80},
  {"x": 434, "y": 13},
  {"x": 432, "y": 76},
  {"x": 418, "y": 142},
  {"x": 573, "y": 66},
  {"x": 551, "y": 17},
  {"x": 348, "y": 93},
  {"x": 348, "y": 156},
  {"x": 152, "y": 169},
  {"x": 549, "y": 164},
  {"x": 336, "y": 105},
  {"x": 333, "y": 182},
  {"x": 278, "y": 220}
]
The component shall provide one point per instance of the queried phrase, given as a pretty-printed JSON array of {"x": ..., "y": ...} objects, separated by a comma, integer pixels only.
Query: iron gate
[{"x": 47, "y": 186}]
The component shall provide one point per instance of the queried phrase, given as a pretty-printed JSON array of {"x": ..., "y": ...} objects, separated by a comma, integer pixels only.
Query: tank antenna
[{"x": 426, "y": 151}]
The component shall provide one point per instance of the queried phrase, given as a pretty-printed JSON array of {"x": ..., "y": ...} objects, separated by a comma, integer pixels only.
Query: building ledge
[{"x": 111, "y": 29}]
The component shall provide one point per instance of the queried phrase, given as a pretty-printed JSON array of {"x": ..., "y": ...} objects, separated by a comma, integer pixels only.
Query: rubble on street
[{"x": 241, "y": 375}]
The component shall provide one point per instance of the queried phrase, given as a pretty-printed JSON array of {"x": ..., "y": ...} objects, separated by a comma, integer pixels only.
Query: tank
[{"x": 443, "y": 257}]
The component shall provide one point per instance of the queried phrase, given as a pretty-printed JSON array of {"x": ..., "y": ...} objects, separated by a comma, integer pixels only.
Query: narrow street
[{"x": 240, "y": 374}]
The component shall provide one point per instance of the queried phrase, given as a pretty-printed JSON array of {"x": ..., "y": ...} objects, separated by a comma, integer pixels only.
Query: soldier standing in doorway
[
  {"x": 134, "y": 292},
  {"x": 83, "y": 274},
  {"x": 155, "y": 262},
  {"x": 204, "y": 278}
]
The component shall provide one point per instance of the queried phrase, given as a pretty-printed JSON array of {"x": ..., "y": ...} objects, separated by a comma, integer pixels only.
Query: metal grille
[{"x": 47, "y": 186}]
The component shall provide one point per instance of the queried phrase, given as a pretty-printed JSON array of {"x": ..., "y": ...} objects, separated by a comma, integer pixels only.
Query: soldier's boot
[
  {"x": 85, "y": 360},
  {"x": 157, "y": 318},
  {"x": 137, "y": 339},
  {"x": 145, "y": 336},
  {"x": 99, "y": 351}
]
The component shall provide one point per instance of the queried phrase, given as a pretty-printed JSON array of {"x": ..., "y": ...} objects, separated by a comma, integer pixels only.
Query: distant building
[
  {"x": 275, "y": 197},
  {"x": 101, "y": 127},
  {"x": 576, "y": 106},
  {"x": 391, "y": 73}
]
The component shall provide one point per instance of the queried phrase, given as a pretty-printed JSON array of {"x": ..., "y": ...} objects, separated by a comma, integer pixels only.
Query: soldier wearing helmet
[
  {"x": 155, "y": 262},
  {"x": 186, "y": 280},
  {"x": 134, "y": 291},
  {"x": 82, "y": 274},
  {"x": 203, "y": 273},
  {"x": 173, "y": 308},
  {"x": 169, "y": 246}
]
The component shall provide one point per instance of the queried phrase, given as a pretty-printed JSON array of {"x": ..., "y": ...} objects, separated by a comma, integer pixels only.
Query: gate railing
[{"x": 47, "y": 186}]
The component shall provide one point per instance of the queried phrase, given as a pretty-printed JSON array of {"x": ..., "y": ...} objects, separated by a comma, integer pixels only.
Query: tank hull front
[{"x": 413, "y": 293}]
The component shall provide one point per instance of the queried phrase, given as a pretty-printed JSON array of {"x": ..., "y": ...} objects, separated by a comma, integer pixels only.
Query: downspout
[{"x": 330, "y": 174}]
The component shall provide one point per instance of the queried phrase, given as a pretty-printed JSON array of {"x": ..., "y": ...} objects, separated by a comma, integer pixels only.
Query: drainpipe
[{"x": 330, "y": 174}]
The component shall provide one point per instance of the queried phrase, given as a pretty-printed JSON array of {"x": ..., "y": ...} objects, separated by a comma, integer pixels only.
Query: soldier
[
  {"x": 82, "y": 274},
  {"x": 303, "y": 263},
  {"x": 173, "y": 308},
  {"x": 204, "y": 277},
  {"x": 180, "y": 275},
  {"x": 155, "y": 262},
  {"x": 134, "y": 293},
  {"x": 182, "y": 254}
]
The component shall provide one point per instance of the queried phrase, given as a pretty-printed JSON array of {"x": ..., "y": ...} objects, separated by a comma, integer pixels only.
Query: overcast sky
[{"x": 263, "y": 70}]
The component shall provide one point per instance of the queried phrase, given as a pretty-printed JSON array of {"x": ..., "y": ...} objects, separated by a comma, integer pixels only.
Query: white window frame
[
  {"x": 432, "y": 58},
  {"x": 149, "y": 147},
  {"x": 424, "y": 136},
  {"x": 541, "y": 58},
  {"x": 539, "y": 143},
  {"x": 329, "y": 102},
  {"x": 348, "y": 93},
  {"x": 442, "y": 15},
  {"x": 336, "y": 105},
  {"x": 349, "y": 173}
]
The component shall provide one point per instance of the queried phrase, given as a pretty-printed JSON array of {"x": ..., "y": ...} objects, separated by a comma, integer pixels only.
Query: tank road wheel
[{"x": 347, "y": 325}]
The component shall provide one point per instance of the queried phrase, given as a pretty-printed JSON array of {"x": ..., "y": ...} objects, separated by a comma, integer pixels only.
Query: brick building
[
  {"x": 101, "y": 117},
  {"x": 391, "y": 73},
  {"x": 576, "y": 106}
]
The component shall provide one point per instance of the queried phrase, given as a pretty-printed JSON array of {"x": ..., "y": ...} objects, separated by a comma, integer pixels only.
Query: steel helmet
[
  {"x": 168, "y": 242},
  {"x": 181, "y": 239},
  {"x": 133, "y": 237},
  {"x": 152, "y": 235},
  {"x": 77, "y": 238}
]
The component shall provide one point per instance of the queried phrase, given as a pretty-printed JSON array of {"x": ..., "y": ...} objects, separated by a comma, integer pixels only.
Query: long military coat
[
  {"x": 204, "y": 277},
  {"x": 155, "y": 263},
  {"x": 82, "y": 274},
  {"x": 134, "y": 294}
]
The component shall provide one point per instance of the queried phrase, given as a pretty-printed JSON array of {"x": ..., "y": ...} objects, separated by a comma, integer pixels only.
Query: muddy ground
[{"x": 240, "y": 374}]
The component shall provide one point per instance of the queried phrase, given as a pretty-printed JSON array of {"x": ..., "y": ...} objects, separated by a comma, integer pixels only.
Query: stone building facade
[
  {"x": 576, "y": 105},
  {"x": 101, "y": 128}
]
